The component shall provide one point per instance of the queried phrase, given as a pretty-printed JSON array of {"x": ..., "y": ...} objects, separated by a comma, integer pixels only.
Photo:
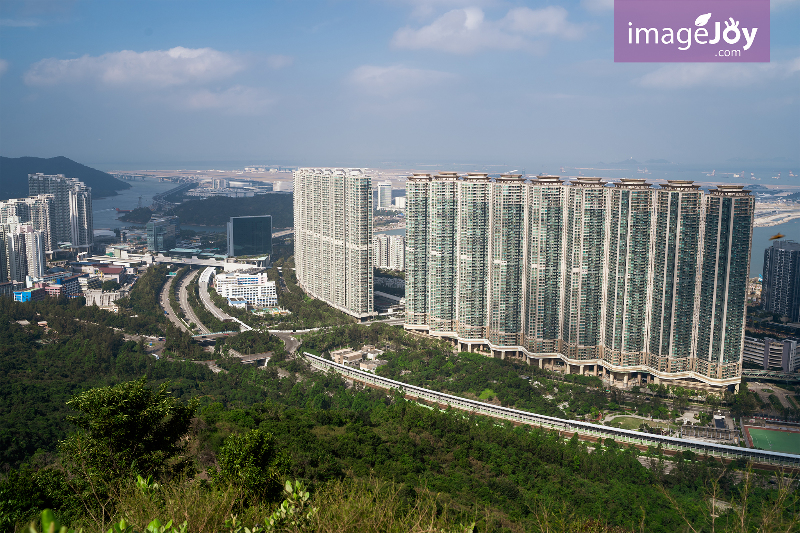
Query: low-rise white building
[{"x": 253, "y": 287}]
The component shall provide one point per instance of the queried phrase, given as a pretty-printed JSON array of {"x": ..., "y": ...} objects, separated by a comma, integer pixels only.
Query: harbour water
[{"x": 105, "y": 214}]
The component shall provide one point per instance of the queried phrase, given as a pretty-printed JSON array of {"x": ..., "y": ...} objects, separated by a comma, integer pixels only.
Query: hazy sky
[{"x": 366, "y": 83}]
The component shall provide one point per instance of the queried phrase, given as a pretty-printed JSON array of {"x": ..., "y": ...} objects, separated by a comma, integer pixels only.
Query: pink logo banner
[{"x": 691, "y": 31}]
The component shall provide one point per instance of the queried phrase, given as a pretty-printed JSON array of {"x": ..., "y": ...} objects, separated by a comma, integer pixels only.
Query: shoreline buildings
[
  {"x": 638, "y": 283},
  {"x": 57, "y": 213},
  {"x": 333, "y": 237}
]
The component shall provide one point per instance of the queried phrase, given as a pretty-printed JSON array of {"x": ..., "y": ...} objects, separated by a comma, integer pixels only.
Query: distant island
[
  {"x": 218, "y": 210},
  {"x": 14, "y": 175}
]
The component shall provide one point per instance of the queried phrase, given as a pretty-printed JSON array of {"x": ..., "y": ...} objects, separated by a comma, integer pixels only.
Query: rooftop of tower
[
  {"x": 680, "y": 184},
  {"x": 730, "y": 190},
  {"x": 586, "y": 181},
  {"x": 639, "y": 183}
]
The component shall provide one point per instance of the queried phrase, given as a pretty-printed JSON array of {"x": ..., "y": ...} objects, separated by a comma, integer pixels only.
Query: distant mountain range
[{"x": 14, "y": 175}]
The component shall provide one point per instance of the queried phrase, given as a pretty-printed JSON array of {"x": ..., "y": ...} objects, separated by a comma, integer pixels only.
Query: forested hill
[
  {"x": 14, "y": 175},
  {"x": 218, "y": 210}
]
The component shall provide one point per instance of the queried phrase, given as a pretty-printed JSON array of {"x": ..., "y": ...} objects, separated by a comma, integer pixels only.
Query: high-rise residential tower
[
  {"x": 780, "y": 285},
  {"x": 333, "y": 237},
  {"x": 23, "y": 251},
  {"x": 417, "y": 194},
  {"x": 384, "y": 195},
  {"x": 72, "y": 208},
  {"x": 39, "y": 211},
  {"x": 634, "y": 281}
]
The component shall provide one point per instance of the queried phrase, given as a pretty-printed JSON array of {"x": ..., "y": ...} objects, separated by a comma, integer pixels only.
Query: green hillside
[
  {"x": 14, "y": 175},
  {"x": 218, "y": 210}
]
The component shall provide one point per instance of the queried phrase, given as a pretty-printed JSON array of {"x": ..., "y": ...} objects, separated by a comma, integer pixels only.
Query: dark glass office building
[
  {"x": 780, "y": 286},
  {"x": 250, "y": 236}
]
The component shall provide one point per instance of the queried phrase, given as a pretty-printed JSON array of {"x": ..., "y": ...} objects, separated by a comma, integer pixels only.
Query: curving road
[
  {"x": 167, "y": 307},
  {"x": 184, "y": 301},
  {"x": 212, "y": 308}
]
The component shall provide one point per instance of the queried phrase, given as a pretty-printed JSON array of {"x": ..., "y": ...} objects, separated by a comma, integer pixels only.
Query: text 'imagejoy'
[{"x": 677, "y": 31}]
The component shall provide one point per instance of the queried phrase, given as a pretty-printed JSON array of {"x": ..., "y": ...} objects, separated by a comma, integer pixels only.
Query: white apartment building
[
  {"x": 72, "y": 208},
  {"x": 252, "y": 287},
  {"x": 385, "y": 195},
  {"x": 389, "y": 251},
  {"x": 22, "y": 253},
  {"x": 333, "y": 237},
  {"x": 38, "y": 211}
]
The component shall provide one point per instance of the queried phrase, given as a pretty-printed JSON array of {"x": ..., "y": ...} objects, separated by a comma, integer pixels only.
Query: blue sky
[{"x": 375, "y": 83}]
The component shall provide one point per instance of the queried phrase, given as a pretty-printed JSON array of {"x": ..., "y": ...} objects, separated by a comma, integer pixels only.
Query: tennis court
[{"x": 775, "y": 440}]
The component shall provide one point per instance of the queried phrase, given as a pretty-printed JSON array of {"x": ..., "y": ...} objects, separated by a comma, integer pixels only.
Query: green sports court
[{"x": 775, "y": 440}]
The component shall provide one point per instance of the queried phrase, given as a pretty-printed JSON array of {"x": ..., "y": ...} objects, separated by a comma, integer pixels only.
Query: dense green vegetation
[
  {"x": 138, "y": 215},
  {"x": 253, "y": 428},
  {"x": 431, "y": 363},
  {"x": 14, "y": 175},
  {"x": 253, "y": 342},
  {"x": 218, "y": 210}
]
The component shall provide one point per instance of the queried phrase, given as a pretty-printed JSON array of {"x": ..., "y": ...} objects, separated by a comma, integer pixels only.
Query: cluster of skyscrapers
[
  {"x": 333, "y": 237},
  {"x": 57, "y": 214},
  {"x": 625, "y": 278}
]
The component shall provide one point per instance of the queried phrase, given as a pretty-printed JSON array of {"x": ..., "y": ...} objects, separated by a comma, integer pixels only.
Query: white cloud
[
  {"x": 156, "y": 68},
  {"x": 3, "y": 66},
  {"x": 395, "y": 79},
  {"x": 598, "y": 5},
  {"x": 464, "y": 31},
  {"x": 426, "y": 8},
  {"x": 685, "y": 75},
  {"x": 279, "y": 61},
  {"x": 238, "y": 100}
]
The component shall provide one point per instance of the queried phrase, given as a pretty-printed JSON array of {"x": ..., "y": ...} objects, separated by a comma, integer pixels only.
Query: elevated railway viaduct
[{"x": 566, "y": 428}]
